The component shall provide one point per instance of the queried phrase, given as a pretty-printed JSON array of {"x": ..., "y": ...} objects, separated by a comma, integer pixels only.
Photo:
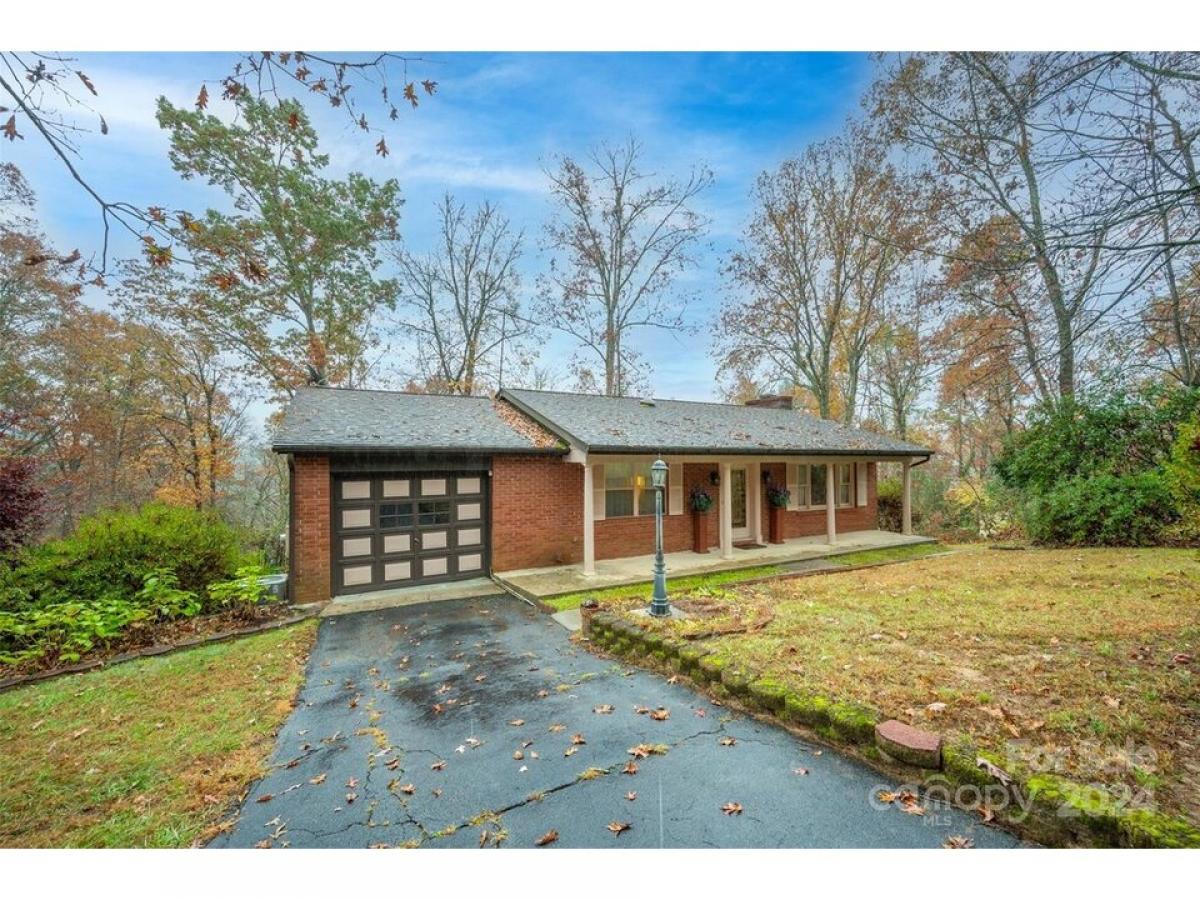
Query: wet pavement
[{"x": 477, "y": 722}]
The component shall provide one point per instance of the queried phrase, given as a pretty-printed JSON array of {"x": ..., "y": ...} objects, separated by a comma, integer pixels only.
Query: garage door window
[
  {"x": 395, "y": 515},
  {"x": 433, "y": 512}
]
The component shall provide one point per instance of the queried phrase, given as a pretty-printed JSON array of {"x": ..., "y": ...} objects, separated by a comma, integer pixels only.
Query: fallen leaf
[
  {"x": 437, "y": 766},
  {"x": 548, "y": 838},
  {"x": 1112, "y": 702},
  {"x": 543, "y": 693},
  {"x": 617, "y": 827},
  {"x": 800, "y": 770},
  {"x": 604, "y": 709},
  {"x": 631, "y": 768},
  {"x": 352, "y": 783},
  {"x": 437, "y": 792},
  {"x": 571, "y": 751},
  {"x": 642, "y": 710},
  {"x": 350, "y": 798},
  {"x": 935, "y": 709},
  {"x": 354, "y": 701},
  {"x": 674, "y": 679},
  {"x": 264, "y": 844},
  {"x": 958, "y": 842},
  {"x": 631, "y": 795},
  {"x": 265, "y": 798},
  {"x": 516, "y": 723},
  {"x": 577, "y": 739},
  {"x": 1181, "y": 659},
  {"x": 886, "y": 796},
  {"x": 479, "y": 679},
  {"x": 732, "y": 809},
  {"x": 393, "y": 764},
  {"x": 518, "y": 754},
  {"x": 318, "y": 779},
  {"x": 727, "y": 741},
  {"x": 986, "y": 811},
  {"x": 556, "y": 728},
  {"x": 408, "y": 789},
  {"x": 660, "y": 714}
]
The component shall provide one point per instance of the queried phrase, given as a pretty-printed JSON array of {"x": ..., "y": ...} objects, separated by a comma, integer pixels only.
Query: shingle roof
[
  {"x": 333, "y": 419},
  {"x": 627, "y": 424}
]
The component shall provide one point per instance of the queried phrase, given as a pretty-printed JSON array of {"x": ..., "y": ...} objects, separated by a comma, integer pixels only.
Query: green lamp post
[{"x": 659, "y": 605}]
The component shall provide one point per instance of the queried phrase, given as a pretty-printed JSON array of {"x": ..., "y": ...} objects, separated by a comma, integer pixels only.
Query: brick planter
[
  {"x": 774, "y": 525},
  {"x": 699, "y": 532}
]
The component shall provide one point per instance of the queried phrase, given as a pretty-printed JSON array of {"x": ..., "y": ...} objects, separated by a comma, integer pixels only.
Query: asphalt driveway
[{"x": 462, "y": 723}]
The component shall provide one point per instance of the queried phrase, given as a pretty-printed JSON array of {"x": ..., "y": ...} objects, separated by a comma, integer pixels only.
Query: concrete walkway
[
  {"x": 477, "y": 722},
  {"x": 552, "y": 580},
  {"x": 369, "y": 601}
]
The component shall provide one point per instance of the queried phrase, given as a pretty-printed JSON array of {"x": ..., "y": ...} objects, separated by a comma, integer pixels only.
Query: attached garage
[
  {"x": 407, "y": 528},
  {"x": 392, "y": 490}
]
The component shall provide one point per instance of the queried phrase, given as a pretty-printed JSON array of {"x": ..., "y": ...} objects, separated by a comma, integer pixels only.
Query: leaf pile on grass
[
  {"x": 149, "y": 753},
  {"x": 1087, "y": 657}
]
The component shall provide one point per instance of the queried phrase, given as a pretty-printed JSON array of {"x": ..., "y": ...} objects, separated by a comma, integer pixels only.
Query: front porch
[{"x": 553, "y": 580}]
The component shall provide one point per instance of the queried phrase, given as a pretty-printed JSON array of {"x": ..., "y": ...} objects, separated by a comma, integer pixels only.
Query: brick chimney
[{"x": 774, "y": 401}]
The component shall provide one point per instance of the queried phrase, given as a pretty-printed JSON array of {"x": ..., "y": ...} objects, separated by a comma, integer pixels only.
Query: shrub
[
  {"x": 243, "y": 591},
  {"x": 1104, "y": 510},
  {"x": 889, "y": 503},
  {"x": 113, "y": 553}
]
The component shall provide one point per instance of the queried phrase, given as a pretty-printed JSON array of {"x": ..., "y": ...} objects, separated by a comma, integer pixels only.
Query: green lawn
[
  {"x": 148, "y": 753},
  {"x": 642, "y": 589},
  {"x": 887, "y": 554},
  {"x": 1090, "y": 658}
]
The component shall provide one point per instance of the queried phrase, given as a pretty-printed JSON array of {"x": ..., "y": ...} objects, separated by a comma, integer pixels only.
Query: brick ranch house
[{"x": 391, "y": 490}]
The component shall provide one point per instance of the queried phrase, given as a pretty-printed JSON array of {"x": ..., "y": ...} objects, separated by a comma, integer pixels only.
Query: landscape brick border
[
  {"x": 1062, "y": 813},
  {"x": 300, "y": 613}
]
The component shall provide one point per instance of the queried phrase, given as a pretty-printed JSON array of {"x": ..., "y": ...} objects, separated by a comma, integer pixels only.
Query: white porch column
[
  {"x": 589, "y": 524},
  {"x": 906, "y": 504},
  {"x": 754, "y": 501},
  {"x": 726, "y": 512},
  {"x": 830, "y": 504}
]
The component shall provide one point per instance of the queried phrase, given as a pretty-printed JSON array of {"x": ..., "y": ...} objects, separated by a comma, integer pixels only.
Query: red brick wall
[
  {"x": 537, "y": 515},
  {"x": 310, "y": 529},
  {"x": 537, "y": 512}
]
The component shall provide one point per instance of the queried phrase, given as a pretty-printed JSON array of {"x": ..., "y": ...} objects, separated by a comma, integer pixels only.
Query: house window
[
  {"x": 844, "y": 488},
  {"x": 816, "y": 491},
  {"x": 628, "y": 490},
  {"x": 801, "y": 498}
]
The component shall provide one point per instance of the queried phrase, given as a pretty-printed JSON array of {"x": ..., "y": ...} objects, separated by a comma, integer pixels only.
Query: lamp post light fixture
[{"x": 659, "y": 605}]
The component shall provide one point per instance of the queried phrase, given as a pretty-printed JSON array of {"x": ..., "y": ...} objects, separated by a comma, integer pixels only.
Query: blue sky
[{"x": 496, "y": 120}]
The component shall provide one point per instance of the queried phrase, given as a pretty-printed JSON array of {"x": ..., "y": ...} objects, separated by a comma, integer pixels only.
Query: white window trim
[
  {"x": 673, "y": 501},
  {"x": 793, "y": 484}
]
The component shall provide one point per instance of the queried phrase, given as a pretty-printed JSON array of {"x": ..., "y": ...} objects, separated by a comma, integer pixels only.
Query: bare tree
[
  {"x": 618, "y": 241},
  {"x": 461, "y": 300},
  {"x": 1005, "y": 130},
  {"x": 829, "y": 234}
]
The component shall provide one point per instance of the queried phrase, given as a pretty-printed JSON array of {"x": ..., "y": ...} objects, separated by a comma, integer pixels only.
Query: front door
[{"x": 737, "y": 506}]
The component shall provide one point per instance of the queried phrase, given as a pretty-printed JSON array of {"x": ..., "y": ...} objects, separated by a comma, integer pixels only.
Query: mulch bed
[{"x": 159, "y": 638}]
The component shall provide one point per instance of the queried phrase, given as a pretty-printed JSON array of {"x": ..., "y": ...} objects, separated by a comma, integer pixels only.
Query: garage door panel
[{"x": 396, "y": 529}]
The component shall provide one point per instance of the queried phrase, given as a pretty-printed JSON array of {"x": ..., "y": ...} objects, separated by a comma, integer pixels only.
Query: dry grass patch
[
  {"x": 148, "y": 753},
  {"x": 1090, "y": 655}
]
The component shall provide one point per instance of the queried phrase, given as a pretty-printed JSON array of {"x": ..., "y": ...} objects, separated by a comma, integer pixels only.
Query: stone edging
[
  {"x": 1060, "y": 812},
  {"x": 300, "y": 614}
]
